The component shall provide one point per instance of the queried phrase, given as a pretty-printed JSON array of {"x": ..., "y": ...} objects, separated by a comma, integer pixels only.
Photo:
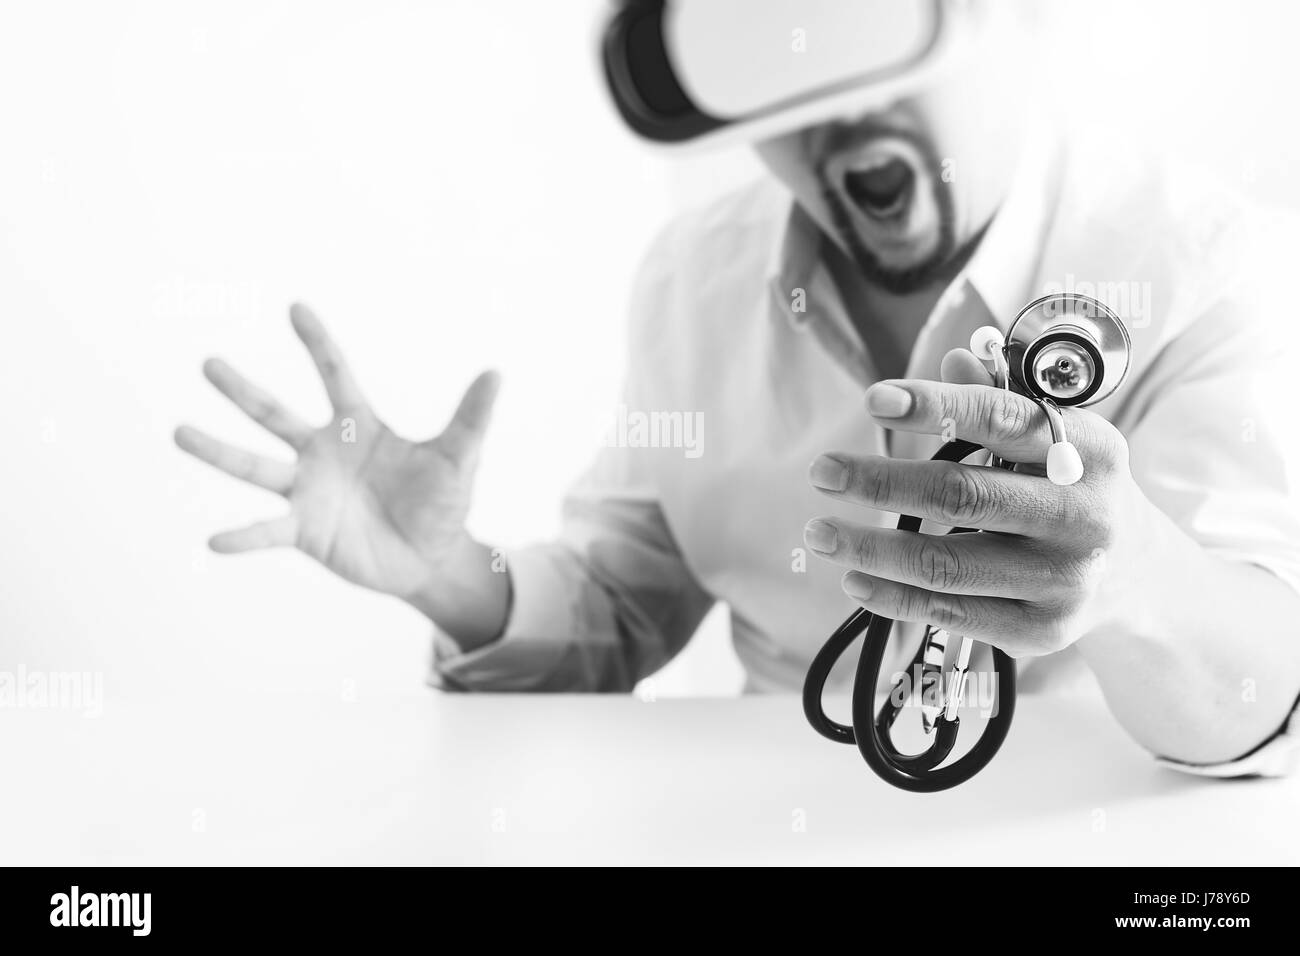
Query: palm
[
  {"x": 375, "y": 508},
  {"x": 380, "y": 510}
]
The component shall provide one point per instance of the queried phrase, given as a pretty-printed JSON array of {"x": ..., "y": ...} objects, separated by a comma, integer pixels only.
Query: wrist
[
  {"x": 1150, "y": 570},
  {"x": 466, "y": 593}
]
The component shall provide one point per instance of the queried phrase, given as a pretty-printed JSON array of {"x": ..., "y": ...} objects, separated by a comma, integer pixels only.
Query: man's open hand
[{"x": 375, "y": 508}]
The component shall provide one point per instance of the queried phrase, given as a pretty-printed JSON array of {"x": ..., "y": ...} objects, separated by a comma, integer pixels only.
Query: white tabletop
[{"x": 422, "y": 777}]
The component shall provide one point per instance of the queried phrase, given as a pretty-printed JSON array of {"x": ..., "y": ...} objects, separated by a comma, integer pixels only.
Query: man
[{"x": 888, "y": 232}]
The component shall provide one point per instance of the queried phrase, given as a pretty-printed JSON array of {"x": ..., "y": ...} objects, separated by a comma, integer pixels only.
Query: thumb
[
  {"x": 961, "y": 367},
  {"x": 464, "y": 433}
]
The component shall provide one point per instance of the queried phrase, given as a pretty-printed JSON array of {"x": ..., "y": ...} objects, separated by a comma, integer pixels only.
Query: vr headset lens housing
[
  {"x": 736, "y": 58},
  {"x": 682, "y": 70}
]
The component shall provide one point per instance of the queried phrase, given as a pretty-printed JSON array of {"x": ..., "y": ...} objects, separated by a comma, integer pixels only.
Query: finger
[
  {"x": 961, "y": 367},
  {"x": 257, "y": 404},
  {"x": 341, "y": 387},
  {"x": 1005, "y": 422},
  {"x": 1008, "y": 424},
  {"x": 997, "y": 621},
  {"x": 464, "y": 433},
  {"x": 979, "y": 564},
  {"x": 955, "y": 495},
  {"x": 266, "y": 473},
  {"x": 275, "y": 533}
]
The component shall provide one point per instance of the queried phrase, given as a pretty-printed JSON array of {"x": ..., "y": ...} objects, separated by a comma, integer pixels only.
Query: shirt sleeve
[
  {"x": 609, "y": 603},
  {"x": 1215, "y": 447},
  {"x": 1276, "y": 757}
]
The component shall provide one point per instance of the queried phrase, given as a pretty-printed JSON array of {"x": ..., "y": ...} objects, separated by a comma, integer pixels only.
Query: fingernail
[
  {"x": 820, "y": 536},
  {"x": 829, "y": 473},
  {"x": 857, "y": 585},
  {"x": 888, "y": 401}
]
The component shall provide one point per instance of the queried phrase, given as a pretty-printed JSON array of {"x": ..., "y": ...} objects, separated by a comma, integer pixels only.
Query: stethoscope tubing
[{"x": 870, "y": 730}]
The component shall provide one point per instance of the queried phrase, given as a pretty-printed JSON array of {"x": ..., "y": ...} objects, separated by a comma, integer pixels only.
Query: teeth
[{"x": 868, "y": 164}]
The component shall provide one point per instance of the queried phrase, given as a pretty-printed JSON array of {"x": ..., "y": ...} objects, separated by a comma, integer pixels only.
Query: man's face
[{"x": 905, "y": 190}]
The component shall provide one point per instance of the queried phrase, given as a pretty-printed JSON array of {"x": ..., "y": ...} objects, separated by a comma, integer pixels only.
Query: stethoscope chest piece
[
  {"x": 1064, "y": 350},
  {"x": 1069, "y": 349}
]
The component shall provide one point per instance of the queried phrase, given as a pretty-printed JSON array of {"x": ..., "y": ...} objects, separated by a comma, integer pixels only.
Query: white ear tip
[
  {"x": 1064, "y": 466},
  {"x": 985, "y": 342}
]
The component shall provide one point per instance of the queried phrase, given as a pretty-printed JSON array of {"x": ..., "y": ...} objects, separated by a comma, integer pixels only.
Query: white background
[{"x": 445, "y": 183}]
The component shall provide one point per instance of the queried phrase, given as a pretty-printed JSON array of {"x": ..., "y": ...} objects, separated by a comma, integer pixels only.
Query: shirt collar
[
  {"x": 1002, "y": 269},
  {"x": 794, "y": 256}
]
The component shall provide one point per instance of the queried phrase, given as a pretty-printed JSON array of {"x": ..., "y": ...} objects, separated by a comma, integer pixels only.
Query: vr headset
[{"x": 715, "y": 71}]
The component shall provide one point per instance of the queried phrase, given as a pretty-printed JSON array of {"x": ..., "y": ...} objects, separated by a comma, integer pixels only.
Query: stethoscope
[{"x": 1062, "y": 351}]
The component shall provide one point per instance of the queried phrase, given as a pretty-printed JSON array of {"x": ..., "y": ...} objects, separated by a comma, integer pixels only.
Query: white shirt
[{"x": 653, "y": 536}]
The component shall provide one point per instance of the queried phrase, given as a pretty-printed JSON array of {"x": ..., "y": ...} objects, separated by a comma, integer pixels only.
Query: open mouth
[
  {"x": 882, "y": 190},
  {"x": 886, "y": 203},
  {"x": 884, "y": 185}
]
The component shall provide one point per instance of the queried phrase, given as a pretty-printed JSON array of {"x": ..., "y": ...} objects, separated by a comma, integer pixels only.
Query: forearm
[
  {"x": 565, "y": 632},
  {"x": 1201, "y": 660},
  {"x": 598, "y": 610},
  {"x": 469, "y": 597}
]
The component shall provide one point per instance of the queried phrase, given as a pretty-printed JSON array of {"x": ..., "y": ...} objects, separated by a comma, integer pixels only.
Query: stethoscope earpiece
[
  {"x": 987, "y": 343},
  {"x": 1061, "y": 351}
]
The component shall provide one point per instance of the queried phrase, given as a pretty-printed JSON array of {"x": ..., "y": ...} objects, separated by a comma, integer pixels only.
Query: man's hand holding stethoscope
[
  {"x": 1041, "y": 544},
  {"x": 1042, "y": 575}
]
